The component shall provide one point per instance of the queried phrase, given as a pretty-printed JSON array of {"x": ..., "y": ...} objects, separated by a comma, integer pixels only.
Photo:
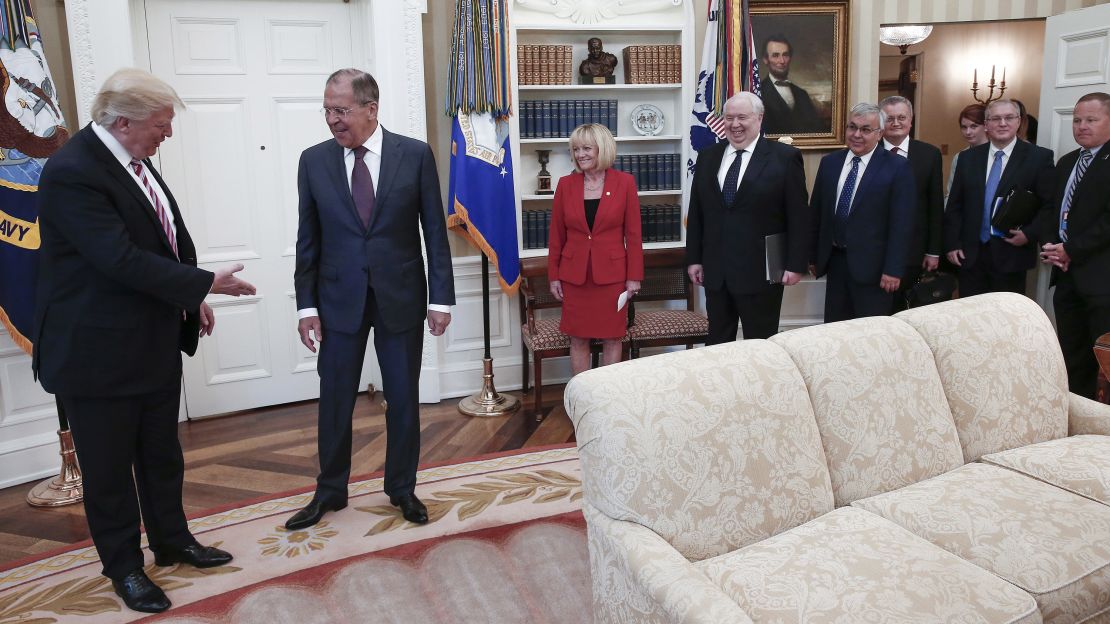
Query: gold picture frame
[{"x": 815, "y": 37}]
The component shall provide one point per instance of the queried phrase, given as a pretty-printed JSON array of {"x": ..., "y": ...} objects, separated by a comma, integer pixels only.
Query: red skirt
[{"x": 590, "y": 310}]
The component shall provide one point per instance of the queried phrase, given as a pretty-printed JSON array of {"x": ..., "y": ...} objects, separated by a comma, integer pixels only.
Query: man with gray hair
[
  {"x": 862, "y": 207},
  {"x": 745, "y": 189},
  {"x": 119, "y": 296}
]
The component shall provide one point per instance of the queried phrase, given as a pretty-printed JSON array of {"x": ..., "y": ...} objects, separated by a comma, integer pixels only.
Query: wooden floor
[{"x": 259, "y": 452}]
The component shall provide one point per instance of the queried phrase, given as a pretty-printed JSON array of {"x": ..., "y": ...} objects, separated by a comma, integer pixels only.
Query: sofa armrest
[
  {"x": 674, "y": 589},
  {"x": 1086, "y": 416}
]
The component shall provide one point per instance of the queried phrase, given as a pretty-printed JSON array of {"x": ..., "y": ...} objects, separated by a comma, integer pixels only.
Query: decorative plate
[{"x": 647, "y": 119}]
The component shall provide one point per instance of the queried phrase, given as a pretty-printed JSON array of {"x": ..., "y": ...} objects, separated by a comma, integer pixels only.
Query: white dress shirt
[
  {"x": 785, "y": 92},
  {"x": 124, "y": 158},
  {"x": 726, "y": 162},
  {"x": 863, "y": 160},
  {"x": 373, "y": 160},
  {"x": 1007, "y": 151},
  {"x": 903, "y": 149}
]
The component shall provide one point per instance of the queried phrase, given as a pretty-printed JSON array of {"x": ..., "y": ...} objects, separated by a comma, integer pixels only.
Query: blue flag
[
  {"x": 481, "y": 200},
  {"x": 32, "y": 128}
]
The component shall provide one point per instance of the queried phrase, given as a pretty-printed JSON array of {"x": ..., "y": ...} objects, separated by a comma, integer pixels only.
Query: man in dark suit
[
  {"x": 990, "y": 260},
  {"x": 364, "y": 198},
  {"x": 863, "y": 212},
  {"x": 1079, "y": 229},
  {"x": 744, "y": 190},
  {"x": 928, "y": 174},
  {"x": 788, "y": 107},
  {"x": 119, "y": 296}
]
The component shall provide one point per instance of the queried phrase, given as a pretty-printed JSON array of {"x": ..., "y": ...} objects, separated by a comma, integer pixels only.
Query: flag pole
[
  {"x": 487, "y": 401},
  {"x": 64, "y": 489}
]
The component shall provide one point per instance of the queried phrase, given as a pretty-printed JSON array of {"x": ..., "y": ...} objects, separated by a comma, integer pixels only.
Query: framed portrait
[{"x": 803, "y": 69}]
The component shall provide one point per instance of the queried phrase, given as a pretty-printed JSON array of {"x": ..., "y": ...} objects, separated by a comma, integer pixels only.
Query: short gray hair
[
  {"x": 132, "y": 94},
  {"x": 363, "y": 85},
  {"x": 1003, "y": 102},
  {"x": 746, "y": 96},
  {"x": 866, "y": 109},
  {"x": 896, "y": 99}
]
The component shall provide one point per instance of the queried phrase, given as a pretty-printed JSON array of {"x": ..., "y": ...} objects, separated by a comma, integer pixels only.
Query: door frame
[{"x": 388, "y": 39}]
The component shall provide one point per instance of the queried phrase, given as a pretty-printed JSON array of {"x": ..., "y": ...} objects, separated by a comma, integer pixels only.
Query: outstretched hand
[{"x": 225, "y": 282}]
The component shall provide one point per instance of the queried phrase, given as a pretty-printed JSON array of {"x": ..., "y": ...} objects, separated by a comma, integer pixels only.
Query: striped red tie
[{"x": 163, "y": 217}]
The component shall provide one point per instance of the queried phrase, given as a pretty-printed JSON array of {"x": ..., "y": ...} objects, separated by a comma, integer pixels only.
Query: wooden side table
[{"x": 1102, "y": 354}]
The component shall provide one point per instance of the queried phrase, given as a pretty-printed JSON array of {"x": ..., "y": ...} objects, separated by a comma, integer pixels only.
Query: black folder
[
  {"x": 775, "y": 247},
  {"x": 1017, "y": 209}
]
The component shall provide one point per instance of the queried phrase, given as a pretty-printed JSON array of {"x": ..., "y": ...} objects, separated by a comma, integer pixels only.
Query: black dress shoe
[
  {"x": 311, "y": 514},
  {"x": 411, "y": 508},
  {"x": 140, "y": 593},
  {"x": 194, "y": 554}
]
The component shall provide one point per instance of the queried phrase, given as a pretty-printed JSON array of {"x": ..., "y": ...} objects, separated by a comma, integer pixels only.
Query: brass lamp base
[
  {"x": 487, "y": 402},
  {"x": 64, "y": 489}
]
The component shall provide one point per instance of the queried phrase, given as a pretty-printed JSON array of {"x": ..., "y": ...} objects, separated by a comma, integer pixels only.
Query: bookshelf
[{"x": 570, "y": 22}]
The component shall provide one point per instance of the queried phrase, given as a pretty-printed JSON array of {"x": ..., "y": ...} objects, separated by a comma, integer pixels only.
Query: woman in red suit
[{"x": 595, "y": 251}]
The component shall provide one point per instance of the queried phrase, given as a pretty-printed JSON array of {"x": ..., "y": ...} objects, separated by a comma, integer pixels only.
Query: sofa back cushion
[
  {"x": 712, "y": 449},
  {"x": 879, "y": 404},
  {"x": 1001, "y": 367}
]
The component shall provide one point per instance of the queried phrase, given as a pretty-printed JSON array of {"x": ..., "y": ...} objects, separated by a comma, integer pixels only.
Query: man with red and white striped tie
[{"x": 119, "y": 296}]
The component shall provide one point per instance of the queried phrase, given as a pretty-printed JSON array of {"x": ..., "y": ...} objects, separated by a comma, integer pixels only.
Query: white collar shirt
[
  {"x": 863, "y": 160},
  {"x": 1006, "y": 151},
  {"x": 730, "y": 155},
  {"x": 903, "y": 149},
  {"x": 124, "y": 158},
  {"x": 373, "y": 157}
]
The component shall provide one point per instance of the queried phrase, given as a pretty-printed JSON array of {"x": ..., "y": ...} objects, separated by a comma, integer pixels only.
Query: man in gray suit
[{"x": 364, "y": 199}]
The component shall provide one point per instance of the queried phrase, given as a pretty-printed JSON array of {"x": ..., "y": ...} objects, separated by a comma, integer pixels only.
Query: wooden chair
[{"x": 665, "y": 279}]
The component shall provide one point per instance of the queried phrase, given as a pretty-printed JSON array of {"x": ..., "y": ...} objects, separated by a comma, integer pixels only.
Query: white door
[
  {"x": 1076, "y": 62},
  {"x": 251, "y": 73}
]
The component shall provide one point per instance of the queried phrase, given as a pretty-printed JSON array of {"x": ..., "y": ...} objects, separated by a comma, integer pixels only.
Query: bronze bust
[{"x": 599, "y": 64}]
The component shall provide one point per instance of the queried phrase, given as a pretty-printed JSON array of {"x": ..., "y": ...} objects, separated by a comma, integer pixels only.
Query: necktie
[
  {"x": 988, "y": 197},
  {"x": 895, "y": 150},
  {"x": 782, "y": 83},
  {"x": 163, "y": 217},
  {"x": 362, "y": 186},
  {"x": 731, "y": 179},
  {"x": 1085, "y": 157},
  {"x": 844, "y": 205}
]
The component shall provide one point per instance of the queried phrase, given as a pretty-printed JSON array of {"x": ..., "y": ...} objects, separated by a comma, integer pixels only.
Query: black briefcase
[{"x": 931, "y": 287}]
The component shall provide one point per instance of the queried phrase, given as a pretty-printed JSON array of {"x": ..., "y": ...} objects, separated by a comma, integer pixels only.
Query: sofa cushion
[
  {"x": 1079, "y": 464},
  {"x": 1001, "y": 367},
  {"x": 879, "y": 404},
  {"x": 853, "y": 566},
  {"x": 711, "y": 449},
  {"x": 1049, "y": 542}
]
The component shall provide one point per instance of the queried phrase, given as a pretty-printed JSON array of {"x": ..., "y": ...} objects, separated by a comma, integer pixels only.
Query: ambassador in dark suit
[
  {"x": 788, "y": 109},
  {"x": 364, "y": 199},
  {"x": 1079, "y": 228},
  {"x": 744, "y": 190},
  {"x": 863, "y": 210},
  {"x": 923, "y": 253},
  {"x": 990, "y": 260},
  {"x": 119, "y": 297}
]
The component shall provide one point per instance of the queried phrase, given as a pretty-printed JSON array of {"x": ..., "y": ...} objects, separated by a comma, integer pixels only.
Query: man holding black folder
[
  {"x": 1079, "y": 229},
  {"x": 1003, "y": 177},
  {"x": 745, "y": 190}
]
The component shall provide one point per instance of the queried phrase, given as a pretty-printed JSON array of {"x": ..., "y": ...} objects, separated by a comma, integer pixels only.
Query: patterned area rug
[{"x": 506, "y": 543}]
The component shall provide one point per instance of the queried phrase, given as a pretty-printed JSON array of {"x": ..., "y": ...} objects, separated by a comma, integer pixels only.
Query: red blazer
[{"x": 614, "y": 249}]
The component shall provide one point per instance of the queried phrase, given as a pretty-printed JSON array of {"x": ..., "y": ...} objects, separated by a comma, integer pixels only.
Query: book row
[
  {"x": 543, "y": 64},
  {"x": 653, "y": 172},
  {"x": 653, "y": 64},
  {"x": 659, "y": 223},
  {"x": 552, "y": 119}
]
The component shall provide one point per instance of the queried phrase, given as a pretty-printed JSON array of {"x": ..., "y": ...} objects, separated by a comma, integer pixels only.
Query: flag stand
[
  {"x": 64, "y": 489},
  {"x": 487, "y": 402}
]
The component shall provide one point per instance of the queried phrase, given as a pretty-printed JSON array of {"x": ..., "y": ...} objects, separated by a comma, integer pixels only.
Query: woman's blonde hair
[
  {"x": 132, "y": 94},
  {"x": 594, "y": 134}
]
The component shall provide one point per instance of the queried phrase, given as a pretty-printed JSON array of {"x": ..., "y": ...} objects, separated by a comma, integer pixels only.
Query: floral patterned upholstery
[
  {"x": 879, "y": 404},
  {"x": 1049, "y": 542},
  {"x": 853, "y": 566},
  {"x": 675, "y": 443},
  {"x": 1079, "y": 464},
  {"x": 547, "y": 336},
  {"x": 654, "y": 324},
  {"x": 1001, "y": 367}
]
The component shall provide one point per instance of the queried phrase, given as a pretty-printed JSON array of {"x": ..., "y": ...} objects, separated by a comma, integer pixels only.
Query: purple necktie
[{"x": 362, "y": 186}]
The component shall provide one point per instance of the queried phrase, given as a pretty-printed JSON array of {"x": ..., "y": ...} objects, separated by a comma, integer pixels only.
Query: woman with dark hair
[{"x": 972, "y": 121}]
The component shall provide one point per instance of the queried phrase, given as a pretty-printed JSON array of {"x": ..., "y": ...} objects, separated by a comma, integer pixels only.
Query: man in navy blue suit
[
  {"x": 863, "y": 206},
  {"x": 364, "y": 199}
]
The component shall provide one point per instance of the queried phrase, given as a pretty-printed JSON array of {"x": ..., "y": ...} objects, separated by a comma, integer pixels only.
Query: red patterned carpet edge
[{"x": 521, "y": 498}]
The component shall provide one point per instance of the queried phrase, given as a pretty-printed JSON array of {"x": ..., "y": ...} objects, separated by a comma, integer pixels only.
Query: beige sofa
[{"x": 930, "y": 467}]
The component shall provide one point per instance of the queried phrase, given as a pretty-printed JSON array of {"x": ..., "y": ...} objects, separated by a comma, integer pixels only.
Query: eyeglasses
[
  {"x": 899, "y": 118},
  {"x": 1006, "y": 118},
  {"x": 853, "y": 128},
  {"x": 339, "y": 111}
]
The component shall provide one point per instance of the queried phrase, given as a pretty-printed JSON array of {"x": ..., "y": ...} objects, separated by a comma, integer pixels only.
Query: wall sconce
[
  {"x": 990, "y": 86},
  {"x": 905, "y": 35}
]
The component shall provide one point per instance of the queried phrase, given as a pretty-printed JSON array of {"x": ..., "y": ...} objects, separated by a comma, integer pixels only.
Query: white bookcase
[{"x": 619, "y": 23}]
